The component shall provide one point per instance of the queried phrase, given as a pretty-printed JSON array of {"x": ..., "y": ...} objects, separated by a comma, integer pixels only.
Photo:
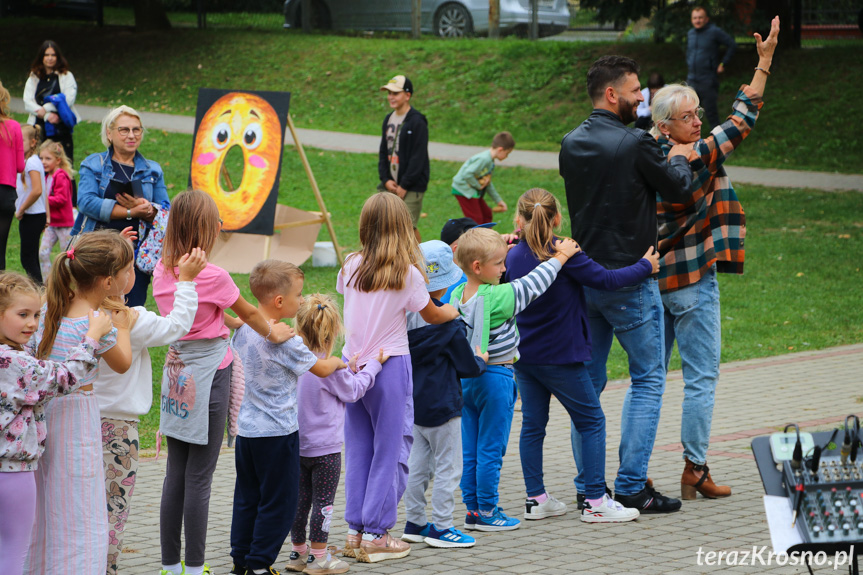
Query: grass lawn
[
  {"x": 469, "y": 89},
  {"x": 798, "y": 293}
]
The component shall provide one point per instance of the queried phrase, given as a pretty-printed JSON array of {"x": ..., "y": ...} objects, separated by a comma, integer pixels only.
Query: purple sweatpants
[
  {"x": 17, "y": 514},
  {"x": 378, "y": 439}
]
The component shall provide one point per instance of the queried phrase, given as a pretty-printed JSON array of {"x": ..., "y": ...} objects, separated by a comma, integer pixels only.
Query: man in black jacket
[
  {"x": 403, "y": 159},
  {"x": 612, "y": 175},
  {"x": 702, "y": 58}
]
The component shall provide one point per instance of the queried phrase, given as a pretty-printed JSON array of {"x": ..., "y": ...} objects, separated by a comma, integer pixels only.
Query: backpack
[{"x": 150, "y": 239}]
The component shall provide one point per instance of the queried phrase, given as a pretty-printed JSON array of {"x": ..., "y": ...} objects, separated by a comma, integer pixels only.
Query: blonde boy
[
  {"x": 473, "y": 180},
  {"x": 489, "y": 309}
]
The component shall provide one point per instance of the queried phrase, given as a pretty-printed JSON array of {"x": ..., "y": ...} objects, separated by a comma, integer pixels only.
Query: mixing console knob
[
  {"x": 831, "y": 529},
  {"x": 860, "y": 527},
  {"x": 837, "y": 504},
  {"x": 816, "y": 531}
]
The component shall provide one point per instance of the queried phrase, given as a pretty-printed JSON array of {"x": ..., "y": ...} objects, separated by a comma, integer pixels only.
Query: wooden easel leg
[{"x": 325, "y": 213}]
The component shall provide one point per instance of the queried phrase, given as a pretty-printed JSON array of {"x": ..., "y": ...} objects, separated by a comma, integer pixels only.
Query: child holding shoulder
[
  {"x": 268, "y": 445},
  {"x": 124, "y": 397},
  {"x": 380, "y": 283},
  {"x": 196, "y": 381},
  {"x": 555, "y": 344},
  {"x": 489, "y": 309},
  {"x": 321, "y": 403},
  {"x": 72, "y": 531},
  {"x": 473, "y": 180},
  {"x": 26, "y": 386},
  {"x": 440, "y": 355},
  {"x": 58, "y": 174}
]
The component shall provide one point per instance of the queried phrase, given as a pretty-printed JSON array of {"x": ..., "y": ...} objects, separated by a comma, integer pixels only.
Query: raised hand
[
  {"x": 652, "y": 256},
  {"x": 680, "y": 150},
  {"x": 567, "y": 247},
  {"x": 192, "y": 264},
  {"x": 767, "y": 47},
  {"x": 281, "y": 332},
  {"x": 100, "y": 324},
  {"x": 129, "y": 233}
]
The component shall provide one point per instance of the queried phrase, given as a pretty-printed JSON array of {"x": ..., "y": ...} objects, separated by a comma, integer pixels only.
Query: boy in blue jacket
[{"x": 440, "y": 356}]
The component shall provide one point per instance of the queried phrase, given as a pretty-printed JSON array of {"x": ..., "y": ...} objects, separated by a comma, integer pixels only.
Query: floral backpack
[{"x": 150, "y": 239}]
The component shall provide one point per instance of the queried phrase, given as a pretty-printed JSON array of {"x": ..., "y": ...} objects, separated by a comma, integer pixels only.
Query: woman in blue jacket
[{"x": 119, "y": 187}]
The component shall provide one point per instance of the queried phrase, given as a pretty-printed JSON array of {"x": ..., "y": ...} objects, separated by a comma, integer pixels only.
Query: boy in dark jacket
[
  {"x": 440, "y": 356},
  {"x": 403, "y": 158}
]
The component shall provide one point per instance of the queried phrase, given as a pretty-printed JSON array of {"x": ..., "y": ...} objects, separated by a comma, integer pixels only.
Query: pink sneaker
[
  {"x": 381, "y": 549},
  {"x": 352, "y": 545}
]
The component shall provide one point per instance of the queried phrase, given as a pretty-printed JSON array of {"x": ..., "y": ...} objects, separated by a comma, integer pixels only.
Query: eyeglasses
[
  {"x": 687, "y": 119},
  {"x": 136, "y": 131}
]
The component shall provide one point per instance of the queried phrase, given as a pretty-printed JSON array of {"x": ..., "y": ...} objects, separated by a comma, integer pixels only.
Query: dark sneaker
[
  {"x": 470, "y": 520},
  {"x": 579, "y": 497},
  {"x": 415, "y": 533},
  {"x": 649, "y": 500},
  {"x": 237, "y": 570}
]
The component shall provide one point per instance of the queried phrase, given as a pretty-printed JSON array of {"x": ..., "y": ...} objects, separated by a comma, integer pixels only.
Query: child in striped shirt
[{"x": 489, "y": 309}]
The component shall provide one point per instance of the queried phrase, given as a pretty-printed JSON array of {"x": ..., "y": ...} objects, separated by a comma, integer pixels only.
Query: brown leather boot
[{"x": 697, "y": 478}]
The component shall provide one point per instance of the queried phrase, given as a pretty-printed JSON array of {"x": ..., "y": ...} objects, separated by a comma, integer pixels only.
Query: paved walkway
[
  {"x": 358, "y": 143},
  {"x": 757, "y": 397}
]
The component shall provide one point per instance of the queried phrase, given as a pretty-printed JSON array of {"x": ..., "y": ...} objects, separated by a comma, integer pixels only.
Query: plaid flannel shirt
[{"x": 710, "y": 228}]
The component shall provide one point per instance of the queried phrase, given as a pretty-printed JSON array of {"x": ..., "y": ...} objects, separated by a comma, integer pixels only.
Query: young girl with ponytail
[{"x": 555, "y": 344}]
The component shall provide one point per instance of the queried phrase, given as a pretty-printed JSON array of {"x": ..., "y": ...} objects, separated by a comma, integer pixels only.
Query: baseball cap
[
  {"x": 440, "y": 269},
  {"x": 399, "y": 84},
  {"x": 453, "y": 229}
]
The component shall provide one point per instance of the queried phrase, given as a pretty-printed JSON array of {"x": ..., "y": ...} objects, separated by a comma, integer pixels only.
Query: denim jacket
[{"x": 95, "y": 175}]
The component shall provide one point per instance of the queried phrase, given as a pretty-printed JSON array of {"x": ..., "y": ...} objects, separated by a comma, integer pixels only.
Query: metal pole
[
  {"x": 494, "y": 19},
  {"x": 534, "y": 19},
  {"x": 416, "y": 19}
]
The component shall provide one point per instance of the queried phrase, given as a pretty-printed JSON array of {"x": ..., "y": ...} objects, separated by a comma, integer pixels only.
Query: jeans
[
  {"x": 692, "y": 317},
  {"x": 486, "y": 419},
  {"x": 572, "y": 386},
  {"x": 30, "y": 229},
  {"x": 708, "y": 95},
  {"x": 8, "y": 195},
  {"x": 634, "y": 315}
]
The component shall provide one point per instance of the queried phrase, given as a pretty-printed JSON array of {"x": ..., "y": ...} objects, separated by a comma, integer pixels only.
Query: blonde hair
[
  {"x": 31, "y": 132},
  {"x": 194, "y": 223},
  {"x": 389, "y": 245},
  {"x": 56, "y": 150},
  {"x": 111, "y": 118},
  {"x": 13, "y": 284},
  {"x": 270, "y": 278},
  {"x": 477, "y": 244},
  {"x": 537, "y": 208},
  {"x": 319, "y": 322},
  {"x": 5, "y": 98},
  {"x": 667, "y": 102},
  {"x": 92, "y": 256}
]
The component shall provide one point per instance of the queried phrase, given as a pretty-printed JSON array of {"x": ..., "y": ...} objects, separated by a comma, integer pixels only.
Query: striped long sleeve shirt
[
  {"x": 490, "y": 313},
  {"x": 711, "y": 227}
]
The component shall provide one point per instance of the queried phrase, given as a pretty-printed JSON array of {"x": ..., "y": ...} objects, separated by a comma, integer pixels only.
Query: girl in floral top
[{"x": 26, "y": 385}]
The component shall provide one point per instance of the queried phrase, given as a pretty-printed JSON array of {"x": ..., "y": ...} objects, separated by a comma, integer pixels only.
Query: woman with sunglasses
[
  {"x": 697, "y": 240},
  {"x": 119, "y": 187}
]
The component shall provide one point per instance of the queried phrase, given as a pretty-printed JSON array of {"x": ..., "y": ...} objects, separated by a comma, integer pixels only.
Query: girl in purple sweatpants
[{"x": 380, "y": 283}]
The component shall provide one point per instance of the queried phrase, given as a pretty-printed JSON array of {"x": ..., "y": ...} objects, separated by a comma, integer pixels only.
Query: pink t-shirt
[
  {"x": 216, "y": 293},
  {"x": 375, "y": 320}
]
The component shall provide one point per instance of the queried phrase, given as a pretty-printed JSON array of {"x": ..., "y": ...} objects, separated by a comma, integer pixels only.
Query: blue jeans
[
  {"x": 692, "y": 317},
  {"x": 485, "y": 423},
  {"x": 572, "y": 386},
  {"x": 635, "y": 315}
]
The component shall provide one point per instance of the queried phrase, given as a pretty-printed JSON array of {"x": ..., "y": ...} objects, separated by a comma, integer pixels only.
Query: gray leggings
[{"x": 188, "y": 478}]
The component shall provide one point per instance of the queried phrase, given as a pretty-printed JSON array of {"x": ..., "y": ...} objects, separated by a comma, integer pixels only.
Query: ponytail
[
  {"x": 319, "y": 323},
  {"x": 537, "y": 209}
]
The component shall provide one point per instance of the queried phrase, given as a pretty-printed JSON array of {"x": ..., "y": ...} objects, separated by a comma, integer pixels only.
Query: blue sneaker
[
  {"x": 499, "y": 521},
  {"x": 416, "y": 533},
  {"x": 470, "y": 520},
  {"x": 451, "y": 537}
]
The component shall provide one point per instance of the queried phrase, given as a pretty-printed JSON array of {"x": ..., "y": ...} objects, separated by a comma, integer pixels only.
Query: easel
[{"x": 287, "y": 218}]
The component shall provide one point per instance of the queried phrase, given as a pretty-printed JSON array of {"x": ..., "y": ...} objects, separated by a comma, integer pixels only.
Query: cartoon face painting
[{"x": 249, "y": 122}]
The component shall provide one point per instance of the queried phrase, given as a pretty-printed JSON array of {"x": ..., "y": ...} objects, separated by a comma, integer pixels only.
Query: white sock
[
  {"x": 353, "y": 532},
  {"x": 195, "y": 570},
  {"x": 260, "y": 571},
  {"x": 175, "y": 569}
]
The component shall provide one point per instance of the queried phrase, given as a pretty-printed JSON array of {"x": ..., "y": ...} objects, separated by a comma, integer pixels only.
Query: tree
[
  {"x": 150, "y": 15},
  {"x": 620, "y": 11}
]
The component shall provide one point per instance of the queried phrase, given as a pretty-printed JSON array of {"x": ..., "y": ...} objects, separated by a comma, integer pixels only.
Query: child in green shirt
[{"x": 473, "y": 180}]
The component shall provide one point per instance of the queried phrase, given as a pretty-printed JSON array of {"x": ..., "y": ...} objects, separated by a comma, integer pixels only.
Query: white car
[{"x": 448, "y": 18}]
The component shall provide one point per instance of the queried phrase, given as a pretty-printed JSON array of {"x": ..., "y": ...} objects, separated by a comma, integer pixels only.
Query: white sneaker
[
  {"x": 610, "y": 511},
  {"x": 551, "y": 507}
]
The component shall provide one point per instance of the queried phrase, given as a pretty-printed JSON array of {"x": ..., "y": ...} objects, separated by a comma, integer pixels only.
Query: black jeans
[
  {"x": 30, "y": 229},
  {"x": 8, "y": 195}
]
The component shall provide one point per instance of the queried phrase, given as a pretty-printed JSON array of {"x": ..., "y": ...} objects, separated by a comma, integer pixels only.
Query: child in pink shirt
[{"x": 58, "y": 171}]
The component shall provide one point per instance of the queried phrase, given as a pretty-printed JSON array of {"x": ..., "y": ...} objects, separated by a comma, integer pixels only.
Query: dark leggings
[
  {"x": 319, "y": 479},
  {"x": 188, "y": 479},
  {"x": 8, "y": 195},
  {"x": 30, "y": 230}
]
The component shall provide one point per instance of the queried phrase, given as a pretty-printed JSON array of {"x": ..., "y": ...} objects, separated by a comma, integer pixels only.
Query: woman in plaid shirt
[{"x": 697, "y": 240}]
